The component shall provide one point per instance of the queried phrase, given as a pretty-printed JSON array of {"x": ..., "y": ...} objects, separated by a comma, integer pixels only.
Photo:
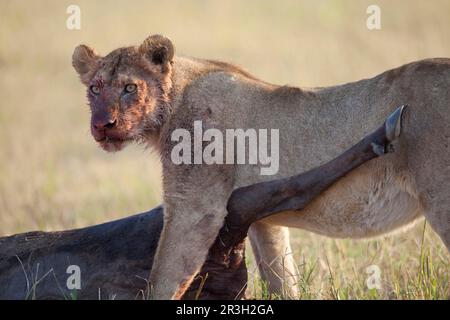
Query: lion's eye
[
  {"x": 130, "y": 88},
  {"x": 95, "y": 89}
]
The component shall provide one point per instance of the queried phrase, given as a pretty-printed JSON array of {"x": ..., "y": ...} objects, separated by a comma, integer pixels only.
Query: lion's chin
[{"x": 113, "y": 145}]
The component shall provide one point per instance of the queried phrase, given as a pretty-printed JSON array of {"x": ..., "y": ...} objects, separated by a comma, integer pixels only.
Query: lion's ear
[
  {"x": 157, "y": 49},
  {"x": 85, "y": 61}
]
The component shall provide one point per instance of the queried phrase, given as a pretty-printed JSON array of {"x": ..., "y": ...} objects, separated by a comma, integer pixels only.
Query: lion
[{"x": 143, "y": 93}]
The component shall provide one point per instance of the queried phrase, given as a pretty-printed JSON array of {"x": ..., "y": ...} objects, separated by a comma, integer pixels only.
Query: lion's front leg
[
  {"x": 182, "y": 249},
  {"x": 194, "y": 212}
]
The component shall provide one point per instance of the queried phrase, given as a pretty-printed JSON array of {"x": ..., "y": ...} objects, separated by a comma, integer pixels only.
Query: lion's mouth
[
  {"x": 112, "y": 144},
  {"x": 107, "y": 139}
]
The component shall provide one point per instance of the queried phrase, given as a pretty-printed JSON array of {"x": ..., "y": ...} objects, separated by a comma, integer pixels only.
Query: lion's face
[
  {"x": 127, "y": 90},
  {"x": 123, "y": 102}
]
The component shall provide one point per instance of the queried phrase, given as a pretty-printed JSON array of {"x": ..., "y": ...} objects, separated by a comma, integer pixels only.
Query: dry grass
[{"x": 52, "y": 176}]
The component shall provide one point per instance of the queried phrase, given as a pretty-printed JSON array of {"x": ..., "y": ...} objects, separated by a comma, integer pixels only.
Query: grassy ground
[{"x": 52, "y": 175}]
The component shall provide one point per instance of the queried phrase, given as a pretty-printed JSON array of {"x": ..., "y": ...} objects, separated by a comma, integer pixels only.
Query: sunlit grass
[{"x": 338, "y": 271}]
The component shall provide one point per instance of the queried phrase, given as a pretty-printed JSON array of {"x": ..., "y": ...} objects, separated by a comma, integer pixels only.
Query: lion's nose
[{"x": 105, "y": 124}]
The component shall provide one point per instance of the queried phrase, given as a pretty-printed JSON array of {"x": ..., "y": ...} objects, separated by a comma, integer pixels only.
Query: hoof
[
  {"x": 393, "y": 124},
  {"x": 378, "y": 149}
]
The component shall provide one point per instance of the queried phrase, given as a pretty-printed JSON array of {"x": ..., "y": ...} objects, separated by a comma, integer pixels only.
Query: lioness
[{"x": 143, "y": 93}]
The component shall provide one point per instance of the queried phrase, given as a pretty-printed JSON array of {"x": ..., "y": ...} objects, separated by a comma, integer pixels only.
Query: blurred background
[{"x": 53, "y": 176}]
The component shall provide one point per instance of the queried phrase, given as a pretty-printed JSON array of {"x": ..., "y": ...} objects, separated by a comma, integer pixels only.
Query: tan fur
[{"x": 315, "y": 126}]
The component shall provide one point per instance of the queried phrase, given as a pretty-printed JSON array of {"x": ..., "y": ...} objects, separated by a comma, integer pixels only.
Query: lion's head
[{"x": 128, "y": 90}]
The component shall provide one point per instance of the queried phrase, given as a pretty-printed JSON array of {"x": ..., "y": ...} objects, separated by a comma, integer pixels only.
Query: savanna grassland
[{"x": 53, "y": 176}]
